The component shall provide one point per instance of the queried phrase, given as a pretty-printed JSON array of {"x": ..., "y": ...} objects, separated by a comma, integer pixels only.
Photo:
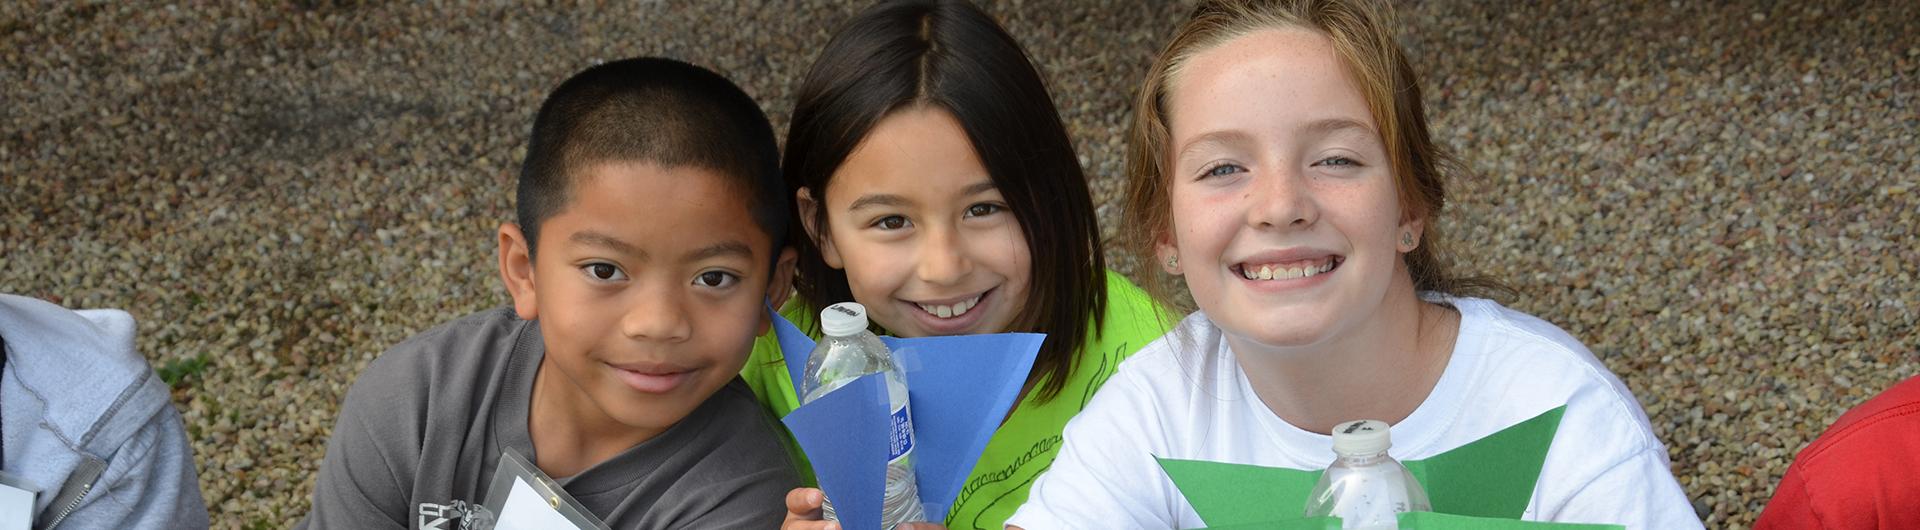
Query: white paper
[
  {"x": 16, "y": 508},
  {"x": 527, "y": 509}
]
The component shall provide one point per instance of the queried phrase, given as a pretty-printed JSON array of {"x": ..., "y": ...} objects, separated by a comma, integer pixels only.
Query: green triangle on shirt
[{"x": 1492, "y": 477}]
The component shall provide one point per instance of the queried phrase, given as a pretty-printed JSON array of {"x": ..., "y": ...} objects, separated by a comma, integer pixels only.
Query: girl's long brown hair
[
  {"x": 1362, "y": 36},
  {"x": 950, "y": 55}
]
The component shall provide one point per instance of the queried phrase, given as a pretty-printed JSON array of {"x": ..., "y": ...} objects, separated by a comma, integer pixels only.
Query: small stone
[{"x": 340, "y": 190}]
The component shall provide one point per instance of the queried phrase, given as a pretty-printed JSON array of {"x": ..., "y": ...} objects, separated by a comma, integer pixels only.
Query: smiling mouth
[
  {"x": 653, "y": 380},
  {"x": 954, "y": 309},
  {"x": 1291, "y": 270}
]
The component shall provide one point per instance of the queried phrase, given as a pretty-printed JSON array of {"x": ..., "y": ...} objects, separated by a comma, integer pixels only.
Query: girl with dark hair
[
  {"x": 936, "y": 185},
  {"x": 1281, "y": 167}
]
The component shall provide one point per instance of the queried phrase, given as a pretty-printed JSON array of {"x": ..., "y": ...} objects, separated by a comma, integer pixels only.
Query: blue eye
[
  {"x": 716, "y": 279},
  {"x": 1339, "y": 161},
  {"x": 1221, "y": 170}
]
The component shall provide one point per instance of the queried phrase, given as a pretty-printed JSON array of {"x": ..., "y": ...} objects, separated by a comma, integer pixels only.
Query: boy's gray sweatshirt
[{"x": 85, "y": 420}]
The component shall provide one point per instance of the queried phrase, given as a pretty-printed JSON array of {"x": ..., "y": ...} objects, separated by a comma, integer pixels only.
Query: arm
[
  {"x": 359, "y": 485},
  {"x": 1638, "y": 492},
  {"x": 1105, "y": 475},
  {"x": 748, "y": 501},
  {"x": 149, "y": 483}
]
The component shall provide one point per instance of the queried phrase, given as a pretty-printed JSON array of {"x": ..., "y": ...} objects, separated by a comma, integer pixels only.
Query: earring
[
  {"x": 1173, "y": 262},
  {"x": 1406, "y": 238}
]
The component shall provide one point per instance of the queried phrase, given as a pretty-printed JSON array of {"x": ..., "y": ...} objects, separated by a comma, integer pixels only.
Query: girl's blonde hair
[{"x": 1361, "y": 35}]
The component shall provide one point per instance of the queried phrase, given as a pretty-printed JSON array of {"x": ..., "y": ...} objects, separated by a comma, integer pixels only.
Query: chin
[
  {"x": 1276, "y": 332},
  {"x": 654, "y": 416}
]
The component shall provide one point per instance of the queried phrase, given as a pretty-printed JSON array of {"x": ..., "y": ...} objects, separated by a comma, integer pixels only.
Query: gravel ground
[{"x": 1720, "y": 200}]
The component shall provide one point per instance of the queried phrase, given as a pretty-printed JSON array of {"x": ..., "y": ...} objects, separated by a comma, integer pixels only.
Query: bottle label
[{"x": 900, "y": 440}]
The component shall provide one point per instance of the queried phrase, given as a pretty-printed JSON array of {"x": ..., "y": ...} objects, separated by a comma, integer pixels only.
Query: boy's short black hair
[{"x": 650, "y": 110}]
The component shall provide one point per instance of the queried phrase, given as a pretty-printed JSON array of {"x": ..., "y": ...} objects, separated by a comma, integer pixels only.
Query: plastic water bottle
[
  {"x": 848, "y": 352},
  {"x": 1364, "y": 487}
]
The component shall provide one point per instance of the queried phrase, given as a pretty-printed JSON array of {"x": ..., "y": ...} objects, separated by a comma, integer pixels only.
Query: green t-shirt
[{"x": 1023, "y": 446}]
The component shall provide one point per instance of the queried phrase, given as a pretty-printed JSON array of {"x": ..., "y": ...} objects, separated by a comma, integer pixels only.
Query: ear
[
  {"x": 1165, "y": 250},
  {"x": 1415, "y": 227},
  {"x": 516, "y": 269},
  {"x": 822, "y": 238},
  {"x": 780, "y": 287}
]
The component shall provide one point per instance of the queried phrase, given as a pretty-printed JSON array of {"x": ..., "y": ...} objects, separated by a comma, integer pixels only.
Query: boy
[{"x": 648, "y": 246}]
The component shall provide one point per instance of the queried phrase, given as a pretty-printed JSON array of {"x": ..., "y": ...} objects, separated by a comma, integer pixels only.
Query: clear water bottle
[
  {"x": 847, "y": 352},
  {"x": 1364, "y": 487}
]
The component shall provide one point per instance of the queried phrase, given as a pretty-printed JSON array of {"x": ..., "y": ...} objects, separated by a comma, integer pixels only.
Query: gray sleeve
[
  {"x": 755, "y": 500},
  {"x": 148, "y": 483},
  {"x": 364, "y": 480}
]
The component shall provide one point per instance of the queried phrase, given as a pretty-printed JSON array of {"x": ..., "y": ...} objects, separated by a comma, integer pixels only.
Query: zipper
[
  {"x": 79, "y": 484},
  {"x": 84, "y": 489}
]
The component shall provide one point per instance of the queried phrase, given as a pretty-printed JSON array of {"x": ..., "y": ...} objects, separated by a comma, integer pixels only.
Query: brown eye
[
  {"x": 716, "y": 279},
  {"x": 984, "y": 209},
  {"x": 603, "y": 271},
  {"x": 891, "y": 222}
]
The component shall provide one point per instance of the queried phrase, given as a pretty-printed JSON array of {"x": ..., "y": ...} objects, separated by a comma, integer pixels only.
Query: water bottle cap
[
  {"x": 843, "y": 319},
  {"x": 1361, "y": 437}
]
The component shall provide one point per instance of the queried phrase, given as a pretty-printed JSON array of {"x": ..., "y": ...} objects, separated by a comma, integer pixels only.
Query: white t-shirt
[{"x": 1185, "y": 398}]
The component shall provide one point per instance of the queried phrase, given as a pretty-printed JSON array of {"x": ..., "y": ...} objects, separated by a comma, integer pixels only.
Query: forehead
[
  {"x": 1263, "y": 80},
  {"x": 663, "y": 209},
  {"x": 916, "y": 152}
]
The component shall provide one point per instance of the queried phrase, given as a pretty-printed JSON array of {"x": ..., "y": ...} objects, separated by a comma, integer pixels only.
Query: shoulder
[
  {"x": 455, "y": 357},
  {"x": 1172, "y": 367},
  {"x": 1132, "y": 319},
  {"x": 45, "y": 342},
  {"x": 80, "y": 368},
  {"x": 479, "y": 341},
  {"x": 1525, "y": 366},
  {"x": 1861, "y": 449},
  {"x": 740, "y": 430},
  {"x": 1522, "y": 356}
]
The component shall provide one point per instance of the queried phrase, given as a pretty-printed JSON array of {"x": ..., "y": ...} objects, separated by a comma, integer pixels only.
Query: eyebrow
[
  {"x": 1230, "y": 137},
  {"x": 1220, "y": 138},
  {"x": 589, "y": 237},
  {"x": 883, "y": 199},
  {"x": 879, "y": 199},
  {"x": 1333, "y": 125},
  {"x": 979, "y": 188},
  {"x": 723, "y": 248}
]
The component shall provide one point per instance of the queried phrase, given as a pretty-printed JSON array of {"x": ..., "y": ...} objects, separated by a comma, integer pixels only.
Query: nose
[
  {"x": 941, "y": 258},
  {"x": 658, "y": 315},
  {"x": 1281, "y": 199}
]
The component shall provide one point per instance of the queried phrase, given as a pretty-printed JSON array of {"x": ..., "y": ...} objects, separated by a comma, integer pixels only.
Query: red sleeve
[
  {"x": 1790, "y": 508},
  {"x": 1858, "y": 474}
]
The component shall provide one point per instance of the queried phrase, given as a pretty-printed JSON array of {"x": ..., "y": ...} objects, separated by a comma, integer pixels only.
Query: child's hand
[{"x": 803, "y": 513}]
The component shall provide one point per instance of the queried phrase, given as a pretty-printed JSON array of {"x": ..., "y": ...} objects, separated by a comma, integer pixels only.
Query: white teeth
[
  {"x": 950, "y": 311},
  {"x": 1270, "y": 272}
]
